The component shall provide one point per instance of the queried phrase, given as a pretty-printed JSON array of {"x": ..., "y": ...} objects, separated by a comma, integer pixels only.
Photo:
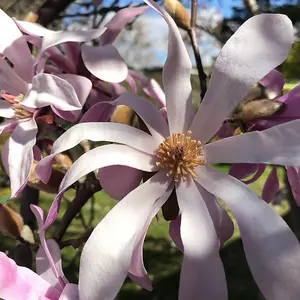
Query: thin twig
[
  {"x": 193, "y": 38},
  {"x": 84, "y": 192}
]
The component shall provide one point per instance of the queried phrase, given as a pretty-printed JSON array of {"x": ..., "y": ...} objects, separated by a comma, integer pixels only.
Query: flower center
[
  {"x": 20, "y": 111},
  {"x": 181, "y": 155}
]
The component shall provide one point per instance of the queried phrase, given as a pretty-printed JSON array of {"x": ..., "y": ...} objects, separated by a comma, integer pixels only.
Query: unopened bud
[
  {"x": 178, "y": 12},
  {"x": 11, "y": 223},
  {"x": 122, "y": 114},
  {"x": 53, "y": 183}
]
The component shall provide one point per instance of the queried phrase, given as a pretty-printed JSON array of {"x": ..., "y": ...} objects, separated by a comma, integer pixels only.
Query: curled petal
[
  {"x": 176, "y": 77},
  {"x": 20, "y": 154},
  {"x": 104, "y": 62},
  {"x": 118, "y": 22},
  {"x": 109, "y": 155},
  {"x": 241, "y": 171},
  {"x": 271, "y": 186},
  {"x": 239, "y": 66},
  {"x": 51, "y": 90},
  {"x": 265, "y": 235},
  {"x": 276, "y": 145},
  {"x": 293, "y": 174},
  {"x": 273, "y": 81},
  {"x": 105, "y": 262},
  {"x": 174, "y": 232},
  {"x": 202, "y": 273},
  {"x": 70, "y": 292},
  {"x": 112, "y": 132}
]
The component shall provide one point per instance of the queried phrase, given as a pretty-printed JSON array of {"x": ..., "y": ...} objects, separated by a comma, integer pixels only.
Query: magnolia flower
[
  {"x": 25, "y": 94},
  {"x": 48, "y": 283},
  {"x": 180, "y": 156}
]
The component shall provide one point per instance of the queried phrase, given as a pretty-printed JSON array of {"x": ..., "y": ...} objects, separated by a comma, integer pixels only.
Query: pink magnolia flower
[
  {"x": 48, "y": 283},
  {"x": 179, "y": 154},
  {"x": 25, "y": 94}
]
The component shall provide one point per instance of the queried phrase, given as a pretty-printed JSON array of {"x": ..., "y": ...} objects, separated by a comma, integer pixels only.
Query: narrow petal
[
  {"x": 277, "y": 145},
  {"x": 273, "y": 81},
  {"x": 125, "y": 178},
  {"x": 202, "y": 273},
  {"x": 44, "y": 268},
  {"x": 51, "y": 90},
  {"x": 222, "y": 222},
  {"x": 265, "y": 235},
  {"x": 174, "y": 232},
  {"x": 176, "y": 77},
  {"x": 6, "y": 109},
  {"x": 148, "y": 113},
  {"x": 260, "y": 170},
  {"x": 112, "y": 132},
  {"x": 294, "y": 180},
  {"x": 104, "y": 62},
  {"x": 12, "y": 44},
  {"x": 119, "y": 21},
  {"x": 70, "y": 292},
  {"x": 239, "y": 66},
  {"x": 20, "y": 154},
  {"x": 8, "y": 125},
  {"x": 10, "y": 81},
  {"x": 99, "y": 112},
  {"x": 108, "y": 155},
  {"x": 137, "y": 270},
  {"x": 241, "y": 171},
  {"x": 48, "y": 257},
  {"x": 22, "y": 283},
  {"x": 271, "y": 186},
  {"x": 105, "y": 262}
]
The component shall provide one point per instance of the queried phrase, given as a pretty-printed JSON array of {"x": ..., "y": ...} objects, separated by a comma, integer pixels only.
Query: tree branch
[{"x": 84, "y": 192}]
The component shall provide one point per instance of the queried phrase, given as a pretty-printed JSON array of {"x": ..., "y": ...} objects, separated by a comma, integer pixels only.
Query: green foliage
[{"x": 291, "y": 67}]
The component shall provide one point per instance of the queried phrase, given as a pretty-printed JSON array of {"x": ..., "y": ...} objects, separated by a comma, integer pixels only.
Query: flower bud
[{"x": 178, "y": 13}]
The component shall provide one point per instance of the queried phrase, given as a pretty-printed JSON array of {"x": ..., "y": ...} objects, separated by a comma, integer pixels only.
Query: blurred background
[{"x": 143, "y": 45}]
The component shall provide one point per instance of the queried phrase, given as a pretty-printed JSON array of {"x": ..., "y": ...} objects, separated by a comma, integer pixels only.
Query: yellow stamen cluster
[
  {"x": 181, "y": 155},
  {"x": 20, "y": 112}
]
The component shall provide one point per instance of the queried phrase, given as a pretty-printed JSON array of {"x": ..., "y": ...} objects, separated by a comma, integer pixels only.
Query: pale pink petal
[
  {"x": 104, "y": 62},
  {"x": 10, "y": 81},
  {"x": 56, "y": 57},
  {"x": 277, "y": 145},
  {"x": 118, "y": 22},
  {"x": 70, "y": 292},
  {"x": 107, "y": 155},
  {"x": 265, "y": 235},
  {"x": 131, "y": 82},
  {"x": 20, "y": 154},
  {"x": 99, "y": 112},
  {"x": 82, "y": 86},
  {"x": 293, "y": 174},
  {"x": 37, "y": 153},
  {"x": 260, "y": 170},
  {"x": 44, "y": 268},
  {"x": 105, "y": 261},
  {"x": 8, "y": 125},
  {"x": 174, "y": 232},
  {"x": 241, "y": 171},
  {"x": 202, "y": 273},
  {"x": 125, "y": 178},
  {"x": 113, "y": 132},
  {"x": 33, "y": 29},
  {"x": 148, "y": 113},
  {"x": 222, "y": 222},
  {"x": 6, "y": 109},
  {"x": 22, "y": 283},
  {"x": 176, "y": 77},
  {"x": 51, "y": 90},
  {"x": 72, "y": 51},
  {"x": 137, "y": 270},
  {"x": 273, "y": 81},
  {"x": 239, "y": 66},
  {"x": 12, "y": 44},
  {"x": 271, "y": 186},
  {"x": 48, "y": 257},
  {"x": 150, "y": 86}
]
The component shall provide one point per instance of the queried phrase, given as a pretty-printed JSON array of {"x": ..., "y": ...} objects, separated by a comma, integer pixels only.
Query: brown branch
[
  {"x": 84, "y": 192},
  {"x": 192, "y": 35}
]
